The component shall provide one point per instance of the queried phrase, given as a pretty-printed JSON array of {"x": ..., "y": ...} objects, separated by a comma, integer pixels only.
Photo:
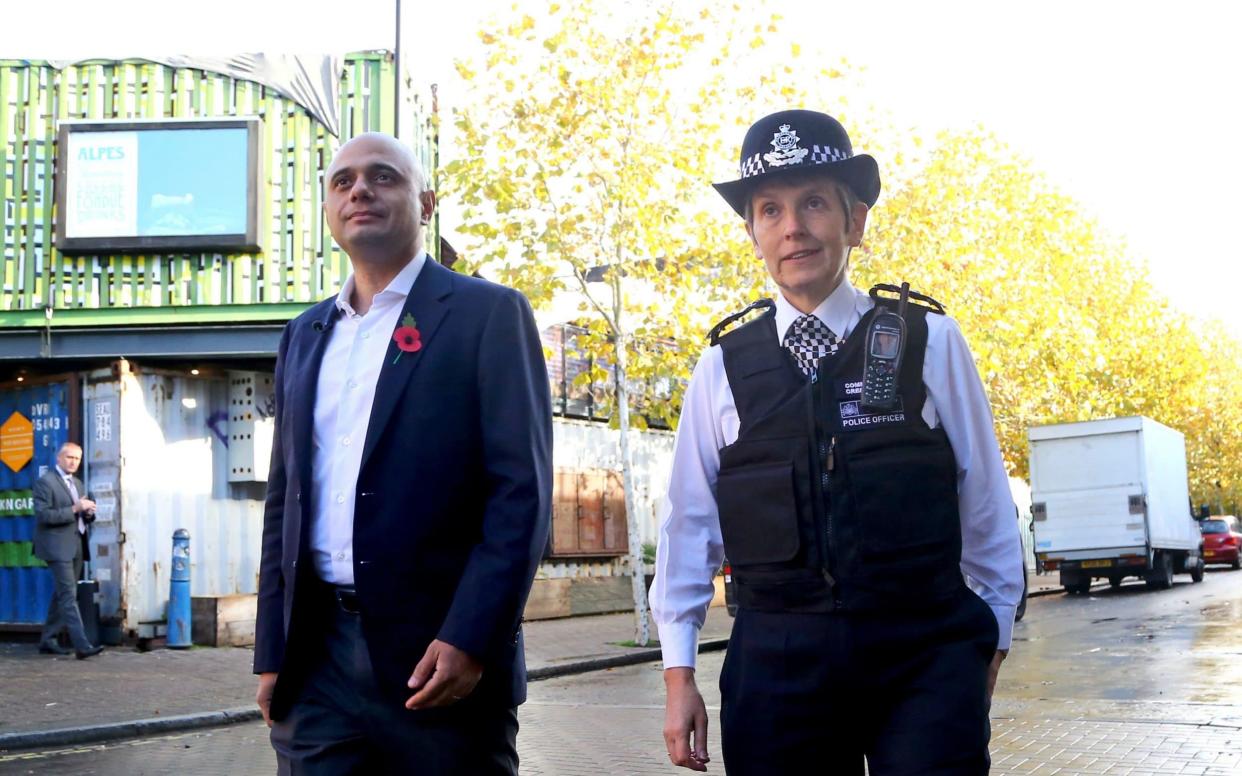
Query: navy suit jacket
[{"x": 453, "y": 497}]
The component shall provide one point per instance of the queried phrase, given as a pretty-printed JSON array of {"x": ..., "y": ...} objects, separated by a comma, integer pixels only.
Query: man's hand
[
  {"x": 994, "y": 670},
  {"x": 267, "y": 683},
  {"x": 83, "y": 505},
  {"x": 684, "y": 713},
  {"x": 445, "y": 675}
]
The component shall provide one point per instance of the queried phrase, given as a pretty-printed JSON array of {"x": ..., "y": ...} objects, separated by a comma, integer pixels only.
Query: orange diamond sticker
[{"x": 16, "y": 441}]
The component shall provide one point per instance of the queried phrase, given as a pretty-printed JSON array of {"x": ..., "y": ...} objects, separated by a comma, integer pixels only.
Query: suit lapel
[
  {"x": 60, "y": 481},
  {"x": 427, "y": 304},
  {"x": 305, "y": 383}
]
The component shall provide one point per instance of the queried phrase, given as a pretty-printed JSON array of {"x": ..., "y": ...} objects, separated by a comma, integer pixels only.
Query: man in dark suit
[
  {"x": 408, "y": 500},
  {"x": 62, "y": 513}
]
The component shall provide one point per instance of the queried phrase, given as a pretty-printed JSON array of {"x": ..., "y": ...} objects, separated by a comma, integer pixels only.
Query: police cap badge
[{"x": 795, "y": 140}]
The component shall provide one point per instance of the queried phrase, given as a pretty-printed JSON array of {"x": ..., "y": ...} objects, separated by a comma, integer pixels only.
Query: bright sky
[{"x": 1132, "y": 108}]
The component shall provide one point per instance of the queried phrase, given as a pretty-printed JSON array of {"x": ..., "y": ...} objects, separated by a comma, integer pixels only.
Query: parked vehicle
[
  {"x": 1021, "y": 610},
  {"x": 730, "y": 594},
  {"x": 1110, "y": 500},
  {"x": 1222, "y": 540}
]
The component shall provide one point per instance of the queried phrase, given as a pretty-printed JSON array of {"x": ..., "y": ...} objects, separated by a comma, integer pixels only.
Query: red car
[{"x": 1222, "y": 540}]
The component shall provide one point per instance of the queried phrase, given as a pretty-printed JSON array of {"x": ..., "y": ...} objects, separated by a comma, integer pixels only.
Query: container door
[
  {"x": 34, "y": 423},
  {"x": 101, "y": 411}
]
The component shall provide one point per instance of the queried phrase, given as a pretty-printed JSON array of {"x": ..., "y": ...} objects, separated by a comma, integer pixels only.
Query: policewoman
[{"x": 837, "y": 446}]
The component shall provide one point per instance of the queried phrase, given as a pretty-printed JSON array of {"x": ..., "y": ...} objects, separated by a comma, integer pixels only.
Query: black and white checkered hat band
[
  {"x": 825, "y": 154},
  {"x": 753, "y": 165}
]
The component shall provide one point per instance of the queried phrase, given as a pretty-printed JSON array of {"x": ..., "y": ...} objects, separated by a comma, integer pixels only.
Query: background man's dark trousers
[{"x": 62, "y": 610}]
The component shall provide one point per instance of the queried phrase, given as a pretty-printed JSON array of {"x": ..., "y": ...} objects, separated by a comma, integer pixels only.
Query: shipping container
[
  {"x": 172, "y": 431},
  {"x": 298, "y": 263},
  {"x": 34, "y": 423}
]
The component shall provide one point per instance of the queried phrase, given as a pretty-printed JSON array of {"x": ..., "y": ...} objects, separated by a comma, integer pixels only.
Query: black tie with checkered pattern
[{"x": 810, "y": 340}]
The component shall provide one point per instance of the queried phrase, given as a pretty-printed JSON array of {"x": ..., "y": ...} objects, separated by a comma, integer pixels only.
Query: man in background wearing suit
[
  {"x": 408, "y": 501},
  {"x": 62, "y": 513}
]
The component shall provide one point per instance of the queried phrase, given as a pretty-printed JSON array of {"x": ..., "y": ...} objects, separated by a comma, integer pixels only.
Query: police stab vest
[{"x": 827, "y": 504}]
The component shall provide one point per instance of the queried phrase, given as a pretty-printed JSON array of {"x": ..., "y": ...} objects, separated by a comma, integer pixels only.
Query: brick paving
[
  {"x": 585, "y": 738},
  {"x": 610, "y": 721},
  {"x": 41, "y": 692}
]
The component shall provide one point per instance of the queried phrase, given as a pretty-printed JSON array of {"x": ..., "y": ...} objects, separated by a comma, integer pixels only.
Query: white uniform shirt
[
  {"x": 352, "y": 359},
  {"x": 690, "y": 549}
]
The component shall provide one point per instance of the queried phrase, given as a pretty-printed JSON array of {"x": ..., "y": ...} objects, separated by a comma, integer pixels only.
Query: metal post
[
  {"x": 396, "y": 66},
  {"x": 179, "y": 592}
]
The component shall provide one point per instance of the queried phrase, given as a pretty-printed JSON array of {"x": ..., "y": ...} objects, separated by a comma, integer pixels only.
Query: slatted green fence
[{"x": 299, "y": 262}]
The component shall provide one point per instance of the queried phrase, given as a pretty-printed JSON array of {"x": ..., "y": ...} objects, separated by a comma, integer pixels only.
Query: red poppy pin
[{"x": 407, "y": 337}]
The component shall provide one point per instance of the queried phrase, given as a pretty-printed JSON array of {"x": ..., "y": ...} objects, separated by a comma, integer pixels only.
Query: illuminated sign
[{"x": 157, "y": 186}]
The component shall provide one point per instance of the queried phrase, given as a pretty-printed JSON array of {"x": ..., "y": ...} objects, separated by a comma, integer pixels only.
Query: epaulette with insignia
[
  {"x": 903, "y": 293},
  {"x": 718, "y": 329}
]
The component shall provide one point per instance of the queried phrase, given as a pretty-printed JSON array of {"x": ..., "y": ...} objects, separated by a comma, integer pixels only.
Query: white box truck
[{"x": 1110, "y": 500}]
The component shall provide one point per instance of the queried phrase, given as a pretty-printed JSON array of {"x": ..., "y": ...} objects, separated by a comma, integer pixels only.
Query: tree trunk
[{"x": 642, "y": 625}]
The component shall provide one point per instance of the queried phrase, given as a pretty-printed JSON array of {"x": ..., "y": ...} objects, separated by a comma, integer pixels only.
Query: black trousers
[
  {"x": 62, "y": 610},
  {"x": 818, "y": 693},
  {"x": 341, "y": 724}
]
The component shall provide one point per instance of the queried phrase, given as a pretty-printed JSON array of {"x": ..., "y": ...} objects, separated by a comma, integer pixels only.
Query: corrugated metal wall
[
  {"x": 173, "y": 433},
  {"x": 299, "y": 262},
  {"x": 25, "y": 583}
]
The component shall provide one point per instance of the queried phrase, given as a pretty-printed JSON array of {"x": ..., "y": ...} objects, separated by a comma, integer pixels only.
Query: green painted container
[{"x": 299, "y": 263}]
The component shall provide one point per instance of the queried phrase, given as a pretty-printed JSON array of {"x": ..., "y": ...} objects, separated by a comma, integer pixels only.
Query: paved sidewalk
[{"x": 45, "y": 693}]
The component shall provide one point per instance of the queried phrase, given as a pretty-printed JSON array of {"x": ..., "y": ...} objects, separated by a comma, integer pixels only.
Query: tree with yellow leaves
[
  {"x": 593, "y": 135},
  {"x": 1064, "y": 327}
]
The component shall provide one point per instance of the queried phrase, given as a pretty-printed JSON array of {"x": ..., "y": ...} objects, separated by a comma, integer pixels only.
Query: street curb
[
  {"x": 1061, "y": 590},
  {"x": 93, "y": 734},
  {"x": 614, "y": 661}
]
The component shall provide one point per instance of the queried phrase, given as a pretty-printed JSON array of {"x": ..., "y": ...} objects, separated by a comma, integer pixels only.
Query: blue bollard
[{"x": 179, "y": 592}]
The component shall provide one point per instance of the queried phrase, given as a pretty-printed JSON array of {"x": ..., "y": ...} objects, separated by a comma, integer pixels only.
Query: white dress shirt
[
  {"x": 690, "y": 549},
  {"x": 73, "y": 494},
  {"x": 352, "y": 359}
]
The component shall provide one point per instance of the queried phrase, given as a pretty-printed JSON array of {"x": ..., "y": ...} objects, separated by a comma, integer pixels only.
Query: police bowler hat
[{"x": 796, "y": 140}]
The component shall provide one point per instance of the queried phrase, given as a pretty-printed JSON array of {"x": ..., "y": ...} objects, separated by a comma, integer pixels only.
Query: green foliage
[{"x": 649, "y": 552}]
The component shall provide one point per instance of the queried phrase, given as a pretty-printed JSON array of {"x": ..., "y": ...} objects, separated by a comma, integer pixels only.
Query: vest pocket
[
  {"x": 905, "y": 499},
  {"x": 758, "y": 513}
]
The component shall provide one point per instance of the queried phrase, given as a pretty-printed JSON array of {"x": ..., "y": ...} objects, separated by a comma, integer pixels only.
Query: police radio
[{"x": 886, "y": 343}]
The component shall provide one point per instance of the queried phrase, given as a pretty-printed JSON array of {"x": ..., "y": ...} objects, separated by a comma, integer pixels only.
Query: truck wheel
[
  {"x": 1079, "y": 586},
  {"x": 1114, "y": 582},
  {"x": 1196, "y": 573},
  {"x": 1160, "y": 577}
]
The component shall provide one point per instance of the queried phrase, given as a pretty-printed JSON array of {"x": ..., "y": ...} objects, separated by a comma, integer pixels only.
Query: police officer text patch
[{"x": 856, "y": 417}]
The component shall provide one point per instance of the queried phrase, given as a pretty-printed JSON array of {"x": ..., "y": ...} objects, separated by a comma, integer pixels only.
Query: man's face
[
  {"x": 372, "y": 202},
  {"x": 801, "y": 232},
  {"x": 69, "y": 458}
]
